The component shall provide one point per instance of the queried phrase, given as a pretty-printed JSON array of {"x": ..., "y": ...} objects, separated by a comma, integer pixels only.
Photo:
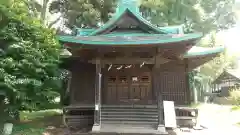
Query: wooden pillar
[
  {"x": 98, "y": 82},
  {"x": 157, "y": 87},
  {"x": 188, "y": 91},
  {"x": 161, "y": 126}
]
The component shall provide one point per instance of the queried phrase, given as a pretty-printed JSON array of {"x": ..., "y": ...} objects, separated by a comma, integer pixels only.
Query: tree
[
  {"x": 29, "y": 72},
  {"x": 40, "y": 9},
  {"x": 207, "y": 73},
  {"x": 84, "y": 13},
  {"x": 200, "y": 15}
]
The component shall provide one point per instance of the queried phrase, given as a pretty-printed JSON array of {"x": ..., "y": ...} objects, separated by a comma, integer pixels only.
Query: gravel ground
[{"x": 217, "y": 120}]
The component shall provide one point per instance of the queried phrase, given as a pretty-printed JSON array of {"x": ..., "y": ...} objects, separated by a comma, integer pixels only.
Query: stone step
[
  {"x": 131, "y": 106},
  {"x": 128, "y": 114},
  {"x": 143, "y": 129},
  {"x": 129, "y": 119},
  {"x": 107, "y": 115},
  {"x": 128, "y": 110},
  {"x": 130, "y": 122},
  {"x": 104, "y": 112}
]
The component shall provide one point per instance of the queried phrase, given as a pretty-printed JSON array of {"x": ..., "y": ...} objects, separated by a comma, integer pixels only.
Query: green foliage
[
  {"x": 235, "y": 108},
  {"x": 36, "y": 123},
  {"x": 212, "y": 69},
  {"x": 40, "y": 9},
  {"x": 215, "y": 67},
  {"x": 204, "y": 15},
  {"x": 30, "y": 116},
  {"x": 29, "y": 72},
  {"x": 84, "y": 13},
  {"x": 235, "y": 96}
]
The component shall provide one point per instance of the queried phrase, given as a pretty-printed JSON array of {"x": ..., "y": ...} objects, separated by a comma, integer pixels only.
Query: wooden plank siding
[
  {"x": 172, "y": 82},
  {"x": 173, "y": 87},
  {"x": 82, "y": 83}
]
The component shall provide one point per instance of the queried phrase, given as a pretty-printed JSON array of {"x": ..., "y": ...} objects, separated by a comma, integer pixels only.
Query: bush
[
  {"x": 235, "y": 96},
  {"x": 29, "y": 59}
]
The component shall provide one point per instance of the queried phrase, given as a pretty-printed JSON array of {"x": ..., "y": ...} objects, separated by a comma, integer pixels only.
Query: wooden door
[
  {"x": 129, "y": 86},
  {"x": 140, "y": 88}
]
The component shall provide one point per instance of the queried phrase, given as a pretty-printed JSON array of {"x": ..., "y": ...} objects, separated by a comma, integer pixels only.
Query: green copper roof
[
  {"x": 196, "y": 51},
  {"x": 134, "y": 39},
  {"x": 169, "y": 29},
  {"x": 129, "y": 7},
  {"x": 84, "y": 32}
]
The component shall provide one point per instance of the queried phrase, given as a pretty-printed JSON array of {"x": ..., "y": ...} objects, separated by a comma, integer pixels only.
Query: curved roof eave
[
  {"x": 121, "y": 13},
  {"x": 201, "y": 51},
  {"x": 176, "y": 39}
]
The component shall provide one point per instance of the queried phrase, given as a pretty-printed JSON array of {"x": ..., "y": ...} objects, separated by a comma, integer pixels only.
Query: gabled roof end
[{"x": 128, "y": 4}]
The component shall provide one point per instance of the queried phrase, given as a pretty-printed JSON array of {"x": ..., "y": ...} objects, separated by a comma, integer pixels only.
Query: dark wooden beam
[
  {"x": 97, "y": 113},
  {"x": 159, "y": 60},
  {"x": 126, "y": 60},
  {"x": 105, "y": 49}
]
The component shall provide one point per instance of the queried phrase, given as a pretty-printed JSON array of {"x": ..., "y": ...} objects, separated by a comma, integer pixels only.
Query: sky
[{"x": 231, "y": 37}]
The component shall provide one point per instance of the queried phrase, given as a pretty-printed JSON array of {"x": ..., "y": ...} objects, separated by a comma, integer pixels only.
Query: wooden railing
[
  {"x": 78, "y": 116},
  {"x": 186, "y": 116}
]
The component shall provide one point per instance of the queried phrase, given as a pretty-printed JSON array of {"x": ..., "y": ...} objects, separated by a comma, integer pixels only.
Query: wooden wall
[
  {"x": 82, "y": 83},
  {"x": 173, "y": 86},
  {"x": 171, "y": 81}
]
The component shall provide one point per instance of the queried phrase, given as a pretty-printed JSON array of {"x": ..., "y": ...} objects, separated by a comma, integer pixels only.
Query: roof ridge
[{"x": 128, "y": 4}]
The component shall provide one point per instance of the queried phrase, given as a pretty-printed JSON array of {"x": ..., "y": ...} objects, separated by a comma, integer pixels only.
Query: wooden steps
[{"x": 132, "y": 115}]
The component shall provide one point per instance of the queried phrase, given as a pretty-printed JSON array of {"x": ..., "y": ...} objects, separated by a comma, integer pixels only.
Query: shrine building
[{"x": 122, "y": 71}]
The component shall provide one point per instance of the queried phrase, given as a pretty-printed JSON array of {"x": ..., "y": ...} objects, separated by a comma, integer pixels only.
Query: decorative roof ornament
[
  {"x": 65, "y": 53},
  {"x": 128, "y": 4}
]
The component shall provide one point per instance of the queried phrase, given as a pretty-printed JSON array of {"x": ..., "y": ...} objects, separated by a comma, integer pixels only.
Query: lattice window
[
  {"x": 145, "y": 79},
  {"x": 112, "y": 79},
  {"x": 123, "y": 79}
]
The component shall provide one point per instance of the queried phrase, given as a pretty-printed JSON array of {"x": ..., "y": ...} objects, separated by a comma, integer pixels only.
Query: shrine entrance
[{"x": 128, "y": 84}]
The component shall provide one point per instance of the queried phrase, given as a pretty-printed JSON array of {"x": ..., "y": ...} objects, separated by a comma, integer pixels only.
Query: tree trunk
[
  {"x": 1, "y": 110},
  {"x": 54, "y": 22},
  {"x": 44, "y": 10},
  {"x": 17, "y": 115}
]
